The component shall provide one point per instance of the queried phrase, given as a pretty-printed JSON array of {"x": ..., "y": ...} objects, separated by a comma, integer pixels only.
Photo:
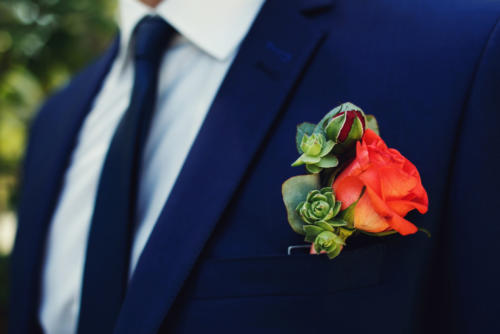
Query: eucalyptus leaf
[
  {"x": 372, "y": 124},
  {"x": 330, "y": 114},
  {"x": 294, "y": 191}
]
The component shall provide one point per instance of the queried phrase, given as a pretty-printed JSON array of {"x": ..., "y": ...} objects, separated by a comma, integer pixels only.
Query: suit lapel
[
  {"x": 269, "y": 62},
  {"x": 58, "y": 125}
]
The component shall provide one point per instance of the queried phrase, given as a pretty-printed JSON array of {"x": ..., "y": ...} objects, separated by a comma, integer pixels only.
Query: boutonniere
[{"x": 355, "y": 184}]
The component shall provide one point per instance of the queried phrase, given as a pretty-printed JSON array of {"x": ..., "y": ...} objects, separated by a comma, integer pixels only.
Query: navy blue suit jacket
[{"x": 216, "y": 261}]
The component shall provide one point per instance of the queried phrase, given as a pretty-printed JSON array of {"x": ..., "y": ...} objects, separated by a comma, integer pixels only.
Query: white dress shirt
[{"x": 192, "y": 70}]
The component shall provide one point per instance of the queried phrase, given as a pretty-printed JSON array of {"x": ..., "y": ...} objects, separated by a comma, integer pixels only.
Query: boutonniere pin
[{"x": 356, "y": 184}]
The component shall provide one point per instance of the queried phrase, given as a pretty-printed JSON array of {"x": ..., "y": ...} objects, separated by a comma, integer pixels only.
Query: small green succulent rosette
[
  {"x": 324, "y": 227},
  {"x": 316, "y": 149},
  {"x": 316, "y": 214},
  {"x": 319, "y": 207},
  {"x": 328, "y": 242},
  {"x": 312, "y": 209}
]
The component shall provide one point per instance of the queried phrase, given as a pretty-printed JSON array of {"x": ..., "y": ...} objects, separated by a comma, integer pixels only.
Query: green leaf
[
  {"x": 338, "y": 240},
  {"x": 303, "y": 129},
  {"x": 329, "y": 161},
  {"x": 313, "y": 169},
  {"x": 333, "y": 254},
  {"x": 426, "y": 231},
  {"x": 336, "y": 208},
  {"x": 310, "y": 159},
  {"x": 294, "y": 191},
  {"x": 311, "y": 194},
  {"x": 380, "y": 234},
  {"x": 298, "y": 162},
  {"x": 372, "y": 124},
  {"x": 327, "y": 148},
  {"x": 348, "y": 215},
  {"x": 327, "y": 117},
  {"x": 317, "y": 248},
  {"x": 345, "y": 233},
  {"x": 391, "y": 232},
  {"x": 318, "y": 197},
  {"x": 337, "y": 222},
  {"x": 312, "y": 232},
  {"x": 325, "y": 226},
  {"x": 312, "y": 229},
  {"x": 356, "y": 130}
]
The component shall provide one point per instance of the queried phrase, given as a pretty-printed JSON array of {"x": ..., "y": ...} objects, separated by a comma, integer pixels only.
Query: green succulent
[
  {"x": 316, "y": 153},
  {"x": 320, "y": 206},
  {"x": 328, "y": 242}
]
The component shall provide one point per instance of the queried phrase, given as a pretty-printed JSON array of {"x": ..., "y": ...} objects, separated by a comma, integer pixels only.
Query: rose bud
[{"x": 346, "y": 127}]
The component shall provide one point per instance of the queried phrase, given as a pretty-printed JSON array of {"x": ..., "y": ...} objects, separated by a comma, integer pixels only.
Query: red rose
[{"x": 393, "y": 187}]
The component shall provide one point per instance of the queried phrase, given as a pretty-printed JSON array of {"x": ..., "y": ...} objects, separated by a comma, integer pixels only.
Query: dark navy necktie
[{"x": 108, "y": 249}]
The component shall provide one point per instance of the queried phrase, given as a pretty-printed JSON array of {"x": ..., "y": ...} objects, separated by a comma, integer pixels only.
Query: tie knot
[{"x": 152, "y": 35}]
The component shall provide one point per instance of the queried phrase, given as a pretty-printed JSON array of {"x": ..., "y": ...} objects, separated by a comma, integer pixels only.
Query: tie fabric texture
[{"x": 109, "y": 243}]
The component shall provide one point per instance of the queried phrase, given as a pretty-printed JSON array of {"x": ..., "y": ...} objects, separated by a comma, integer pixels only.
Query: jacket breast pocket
[{"x": 296, "y": 275}]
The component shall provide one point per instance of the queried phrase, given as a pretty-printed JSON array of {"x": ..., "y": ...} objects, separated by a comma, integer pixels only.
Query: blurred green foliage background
[{"x": 42, "y": 44}]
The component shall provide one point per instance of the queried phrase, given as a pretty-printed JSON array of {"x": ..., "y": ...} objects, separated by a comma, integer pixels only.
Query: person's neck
[{"x": 151, "y": 3}]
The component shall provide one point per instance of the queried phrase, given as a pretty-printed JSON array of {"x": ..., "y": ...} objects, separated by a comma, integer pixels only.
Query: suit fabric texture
[{"x": 216, "y": 260}]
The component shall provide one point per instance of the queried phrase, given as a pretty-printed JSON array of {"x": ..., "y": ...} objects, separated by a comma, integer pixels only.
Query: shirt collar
[{"x": 216, "y": 26}]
